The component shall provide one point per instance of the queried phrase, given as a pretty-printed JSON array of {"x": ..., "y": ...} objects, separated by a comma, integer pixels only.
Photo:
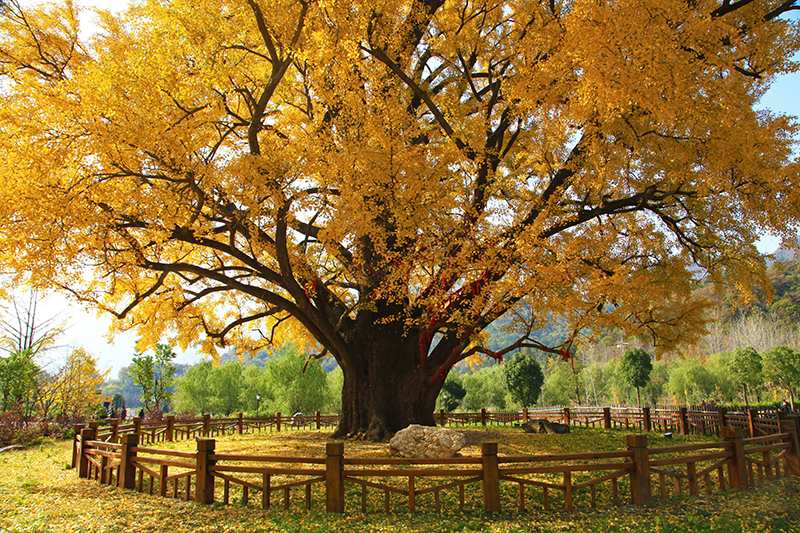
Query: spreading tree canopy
[{"x": 385, "y": 179}]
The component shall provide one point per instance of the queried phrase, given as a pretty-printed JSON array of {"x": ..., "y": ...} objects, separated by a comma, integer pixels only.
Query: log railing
[
  {"x": 680, "y": 420},
  {"x": 488, "y": 483}
]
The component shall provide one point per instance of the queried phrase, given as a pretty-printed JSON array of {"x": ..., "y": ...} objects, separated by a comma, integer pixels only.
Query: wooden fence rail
[
  {"x": 670, "y": 419},
  {"x": 489, "y": 482}
]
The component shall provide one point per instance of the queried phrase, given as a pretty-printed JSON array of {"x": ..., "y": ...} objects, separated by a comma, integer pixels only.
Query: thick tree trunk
[{"x": 385, "y": 388}]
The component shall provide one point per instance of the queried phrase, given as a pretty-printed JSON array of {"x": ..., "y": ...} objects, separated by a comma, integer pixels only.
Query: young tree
[
  {"x": 17, "y": 379},
  {"x": 77, "y": 385},
  {"x": 745, "y": 365},
  {"x": 782, "y": 367},
  {"x": 523, "y": 378},
  {"x": 392, "y": 178},
  {"x": 154, "y": 376},
  {"x": 635, "y": 367}
]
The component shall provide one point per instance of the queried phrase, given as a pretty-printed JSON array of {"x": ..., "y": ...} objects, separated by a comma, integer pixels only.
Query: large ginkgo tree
[{"x": 381, "y": 180}]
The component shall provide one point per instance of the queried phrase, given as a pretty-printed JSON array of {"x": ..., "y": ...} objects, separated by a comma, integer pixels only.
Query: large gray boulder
[
  {"x": 543, "y": 425},
  {"x": 426, "y": 442}
]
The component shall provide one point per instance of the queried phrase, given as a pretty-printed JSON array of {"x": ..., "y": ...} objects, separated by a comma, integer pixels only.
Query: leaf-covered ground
[{"x": 39, "y": 493}]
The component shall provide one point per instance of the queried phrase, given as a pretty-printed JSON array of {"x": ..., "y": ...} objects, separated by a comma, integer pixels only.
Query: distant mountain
[{"x": 782, "y": 255}]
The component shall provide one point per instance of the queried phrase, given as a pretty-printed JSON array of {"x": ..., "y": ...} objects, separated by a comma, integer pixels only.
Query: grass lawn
[{"x": 39, "y": 493}]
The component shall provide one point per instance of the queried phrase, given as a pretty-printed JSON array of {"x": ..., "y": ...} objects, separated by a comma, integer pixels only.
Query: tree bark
[
  {"x": 746, "y": 403},
  {"x": 385, "y": 387}
]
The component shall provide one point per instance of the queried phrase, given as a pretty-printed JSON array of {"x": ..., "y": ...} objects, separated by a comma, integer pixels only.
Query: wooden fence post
[
  {"x": 334, "y": 477},
  {"x": 204, "y": 492},
  {"x": 737, "y": 466},
  {"x": 648, "y": 425},
  {"x": 607, "y": 417},
  {"x": 792, "y": 456},
  {"x": 137, "y": 425},
  {"x": 491, "y": 477},
  {"x": 317, "y": 419},
  {"x": 721, "y": 412},
  {"x": 796, "y": 419},
  {"x": 684, "y": 420},
  {"x": 240, "y": 423},
  {"x": 566, "y": 416},
  {"x": 752, "y": 415},
  {"x": 524, "y": 414},
  {"x": 206, "y": 424},
  {"x": 87, "y": 434},
  {"x": 278, "y": 421},
  {"x": 75, "y": 453},
  {"x": 127, "y": 470},
  {"x": 169, "y": 435},
  {"x": 483, "y": 416},
  {"x": 441, "y": 417},
  {"x": 641, "y": 493},
  {"x": 114, "y": 423}
]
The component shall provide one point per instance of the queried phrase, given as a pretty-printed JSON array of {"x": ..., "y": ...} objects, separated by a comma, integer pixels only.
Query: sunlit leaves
[{"x": 249, "y": 173}]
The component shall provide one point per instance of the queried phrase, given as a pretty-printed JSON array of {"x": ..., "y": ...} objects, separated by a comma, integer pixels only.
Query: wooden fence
[
  {"x": 487, "y": 483},
  {"x": 679, "y": 420}
]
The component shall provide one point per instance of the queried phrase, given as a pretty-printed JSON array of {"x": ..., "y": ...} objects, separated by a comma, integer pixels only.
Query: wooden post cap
[
  {"x": 334, "y": 448},
  {"x": 205, "y": 445},
  {"x": 637, "y": 441},
  {"x": 732, "y": 433}
]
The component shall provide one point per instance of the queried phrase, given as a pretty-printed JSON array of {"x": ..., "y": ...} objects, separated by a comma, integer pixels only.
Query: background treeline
[
  {"x": 287, "y": 382},
  {"x": 677, "y": 379}
]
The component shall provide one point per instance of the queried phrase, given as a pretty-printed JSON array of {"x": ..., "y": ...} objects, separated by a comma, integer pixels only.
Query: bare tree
[{"x": 21, "y": 329}]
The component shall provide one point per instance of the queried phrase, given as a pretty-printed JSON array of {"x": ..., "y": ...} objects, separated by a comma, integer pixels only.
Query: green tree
[
  {"x": 523, "y": 378},
  {"x": 690, "y": 382},
  {"x": 193, "y": 389},
  {"x": 656, "y": 390},
  {"x": 255, "y": 384},
  {"x": 484, "y": 390},
  {"x": 17, "y": 380},
  {"x": 746, "y": 367},
  {"x": 298, "y": 385},
  {"x": 782, "y": 368},
  {"x": 452, "y": 393},
  {"x": 154, "y": 376},
  {"x": 117, "y": 401},
  {"x": 558, "y": 388},
  {"x": 635, "y": 367},
  {"x": 335, "y": 381},
  {"x": 226, "y": 387}
]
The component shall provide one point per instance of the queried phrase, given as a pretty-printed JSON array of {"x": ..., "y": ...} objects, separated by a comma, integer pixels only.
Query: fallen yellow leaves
[{"x": 39, "y": 494}]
